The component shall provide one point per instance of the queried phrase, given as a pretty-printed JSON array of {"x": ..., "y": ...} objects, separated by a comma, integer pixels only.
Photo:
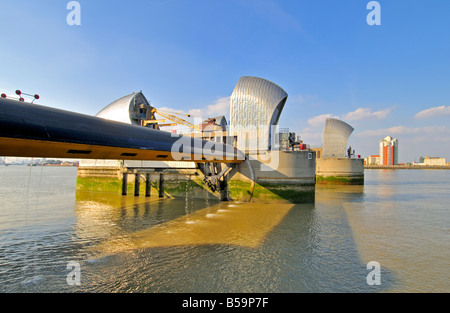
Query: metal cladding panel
[
  {"x": 335, "y": 138},
  {"x": 124, "y": 109},
  {"x": 256, "y": 105}
]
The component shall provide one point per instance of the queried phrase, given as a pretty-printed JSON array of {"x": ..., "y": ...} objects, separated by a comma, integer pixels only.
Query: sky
[{"x": 384, "y": 80}]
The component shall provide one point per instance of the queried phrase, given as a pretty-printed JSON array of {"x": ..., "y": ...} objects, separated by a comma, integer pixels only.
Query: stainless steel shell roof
[
  {"x": 256, "y": 105},
  {"x": 335, "y": 138},
  {"x": 124, "y": 109}
]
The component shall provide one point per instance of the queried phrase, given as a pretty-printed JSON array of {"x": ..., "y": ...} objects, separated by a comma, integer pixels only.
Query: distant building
[
  {"x": 372, "y": 160},
  {"x": 16, "y": 161},
  {"x": 434, "y": 161},
  {"x": 388, "y": 151}
]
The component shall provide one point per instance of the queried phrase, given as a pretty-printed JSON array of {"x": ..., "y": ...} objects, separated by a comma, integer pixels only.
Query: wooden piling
[
  {"x": 148, "y": 185},
  {"x": 137, "y": 181},
  {"x": 161, "y": 185},
  {"x": 124, "y": 183}
]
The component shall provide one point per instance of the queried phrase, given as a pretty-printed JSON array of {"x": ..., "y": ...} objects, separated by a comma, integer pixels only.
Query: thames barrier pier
[
  {"x": 127, "y": 145},
  {"x": 272, "y": 170},
  {"x": 335, "y": 166}
]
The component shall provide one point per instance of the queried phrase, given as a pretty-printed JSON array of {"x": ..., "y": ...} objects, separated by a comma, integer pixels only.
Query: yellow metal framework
[{"x": 175, "y": 119}]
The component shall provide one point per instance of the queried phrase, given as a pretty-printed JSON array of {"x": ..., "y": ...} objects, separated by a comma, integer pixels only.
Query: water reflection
[
  {"x": 127, "y": 244},
  {"x": 245, "y": 225},
  {"x": 193, "y": 245},
  {"x": 157, "y": 223},
  {"x": 403, "y": 225}
]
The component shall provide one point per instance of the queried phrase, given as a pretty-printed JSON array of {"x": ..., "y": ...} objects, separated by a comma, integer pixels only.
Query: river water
[{"x": 399, "y": 218}]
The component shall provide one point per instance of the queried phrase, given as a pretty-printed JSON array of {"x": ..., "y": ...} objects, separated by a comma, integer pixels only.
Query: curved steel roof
[
  {"x": 124, "y": 109},
  {"x": 256, "y": 105},
  {"x": 335, "y": 138}
]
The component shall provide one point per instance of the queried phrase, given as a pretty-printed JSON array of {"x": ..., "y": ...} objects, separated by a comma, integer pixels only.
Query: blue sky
[{"x": 188, "y": 55}]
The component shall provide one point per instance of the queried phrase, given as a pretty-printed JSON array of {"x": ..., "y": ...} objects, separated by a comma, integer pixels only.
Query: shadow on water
[
  {"x": 339, "y": 256},
  {"x": 132, "y": 213},
  {"x": 204, "y": 246},
  {"x": 136, "y": 244}
]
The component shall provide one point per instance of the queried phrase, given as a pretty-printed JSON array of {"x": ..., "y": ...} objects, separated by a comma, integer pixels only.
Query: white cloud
[
  {"x": 195, "y": 112},
  {"x": 197, "y": 115},
  {"x": 319, "y": 120},
  {"x": 404, "y": 130},
  {"x": 220, "y": 107},
  {"x": 359, "y": 114},
  {"x": 171, "y": 110},
  {"x": 366, "y": 113},
  {"x": 311, "y": 136},
  {"x": 435, "y": 111}
]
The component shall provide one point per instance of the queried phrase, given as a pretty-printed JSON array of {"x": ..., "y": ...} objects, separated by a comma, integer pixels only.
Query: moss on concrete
[
  {"x": 177, "y": 188},
  {"x": 172, "y": 188},
  {"x": 237, "y": 190},
  {"x": 104, "y": 184},
  {"x": 340, "y": 180},
  {"x": 111, "y": 184},
  {"x": 295, "y": 193}
]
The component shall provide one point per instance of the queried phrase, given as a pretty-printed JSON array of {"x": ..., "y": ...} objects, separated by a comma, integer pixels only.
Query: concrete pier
[
  {"x": 278, "y": 176},
  {"x": 108, "y": 176},
  {"x": 340, "y": 171},
  {"x": 275, "y": 176}
]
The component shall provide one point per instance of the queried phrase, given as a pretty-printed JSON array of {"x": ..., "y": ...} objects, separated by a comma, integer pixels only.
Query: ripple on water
[{"x": 32, "y": 281}]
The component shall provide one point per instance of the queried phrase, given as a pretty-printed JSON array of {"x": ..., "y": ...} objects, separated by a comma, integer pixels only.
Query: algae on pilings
[
  {"x": 173, "y": 188},
  {"x": 237, "y": 190},
  {"x": 294, "y": 193},
  {"x": 111, "y": 184},
  {"x": 340, "y": 180}
]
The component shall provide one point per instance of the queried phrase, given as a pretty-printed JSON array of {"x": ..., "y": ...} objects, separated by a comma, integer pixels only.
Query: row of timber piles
[
  {"x": 137, "y": 184},
  {"x": 282, "y": 176}
]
